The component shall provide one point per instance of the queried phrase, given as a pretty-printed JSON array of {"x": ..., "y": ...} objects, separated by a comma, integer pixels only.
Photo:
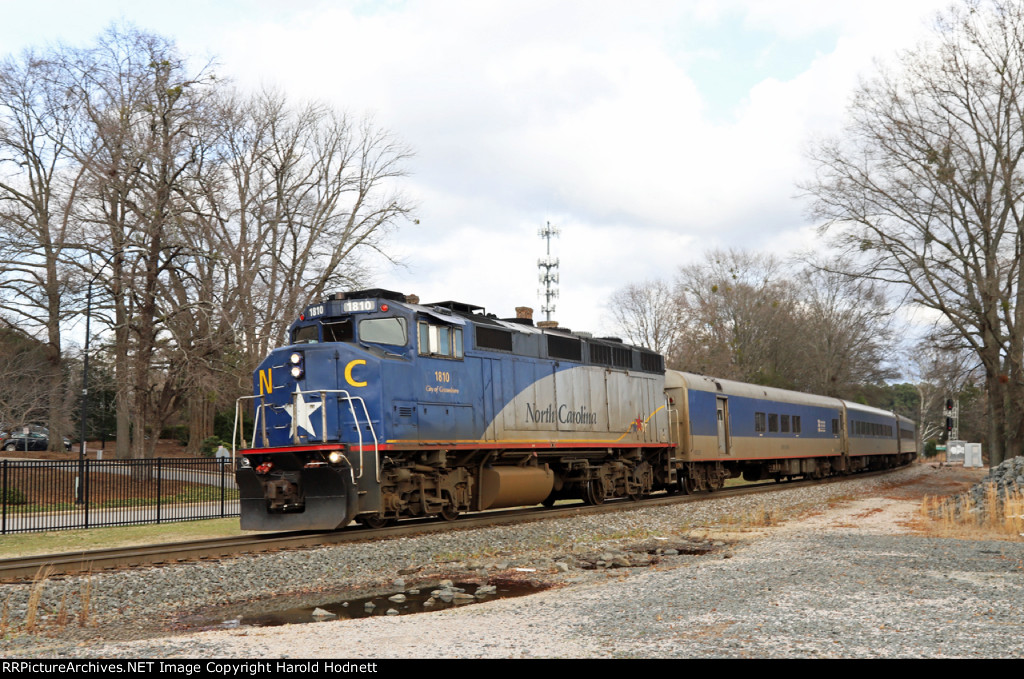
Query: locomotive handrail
[
  {"x": 239, "y": 431},
  {"x": 670, "y": 411},
  {"x": 355, "y": 418},
  {"x": 323, "y": 411}
]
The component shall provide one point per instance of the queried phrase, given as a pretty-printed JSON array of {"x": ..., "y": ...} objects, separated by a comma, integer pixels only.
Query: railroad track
[{"x": 24, "y": 569}]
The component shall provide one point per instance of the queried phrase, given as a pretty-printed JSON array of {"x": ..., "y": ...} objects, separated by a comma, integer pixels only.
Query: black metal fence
[{"x": 43, "y": 495}]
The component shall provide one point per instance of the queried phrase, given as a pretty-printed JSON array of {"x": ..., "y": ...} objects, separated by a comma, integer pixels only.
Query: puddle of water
[{"x": 417, "y": 600}]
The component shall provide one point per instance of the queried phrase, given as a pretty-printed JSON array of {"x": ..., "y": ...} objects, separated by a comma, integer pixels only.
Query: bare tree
[
  {"x": 749, "y": 317},
  {"x": 846, "y": 333},
  {"x": 309, "y": 191},
  {"x": 37, "y": 187},
  {"x": 646, "y": 315},
  {"x": 925, "y": 190},
  {"x": 203, "y": 219},
  {"x": 941, "y": 372},
  {"x": 141, "y": 107},
  {"x": 737, "y": 318}
]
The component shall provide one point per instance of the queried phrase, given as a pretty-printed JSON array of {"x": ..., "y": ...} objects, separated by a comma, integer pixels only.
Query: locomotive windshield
[
  {"x": 338, "y": 330},
  {"x": 334, "y": 330},
  {"x": 391, "y": 331},
  {"x": 307, "y": 334}
]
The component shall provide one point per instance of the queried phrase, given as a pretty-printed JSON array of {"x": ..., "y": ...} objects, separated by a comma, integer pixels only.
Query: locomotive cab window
[
  {"x": 308, "y": 334},
  {"x": 338, "y": 331},
  {"x": 384, "y": 331},
  {"x": 439, "y": 340}
]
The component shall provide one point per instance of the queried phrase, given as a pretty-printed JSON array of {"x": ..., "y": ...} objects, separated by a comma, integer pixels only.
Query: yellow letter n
[{"x": 266, "y": 381}]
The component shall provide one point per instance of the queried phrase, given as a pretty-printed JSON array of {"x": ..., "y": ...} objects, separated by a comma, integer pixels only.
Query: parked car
[{"x": 36, "y": 438}]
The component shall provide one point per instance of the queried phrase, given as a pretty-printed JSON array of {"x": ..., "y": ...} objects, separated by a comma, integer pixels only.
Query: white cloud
[{"x": 648, "y": 131}]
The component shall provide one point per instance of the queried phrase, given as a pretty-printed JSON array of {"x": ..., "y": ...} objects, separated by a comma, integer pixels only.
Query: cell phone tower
[{"x": 548, "y": 267}]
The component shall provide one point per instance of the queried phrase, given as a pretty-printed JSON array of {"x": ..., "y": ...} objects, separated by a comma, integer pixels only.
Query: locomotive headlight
[
  {"x": 335, "y": 457},
  {"x": 298, "y": 368}
]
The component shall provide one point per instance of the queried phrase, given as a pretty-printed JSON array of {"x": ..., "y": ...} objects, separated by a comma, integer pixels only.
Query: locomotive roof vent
[
  {"x": 611, "y": 339},
  {"x": 520, "y": 321},
  {"x": 458, "y": 307}
]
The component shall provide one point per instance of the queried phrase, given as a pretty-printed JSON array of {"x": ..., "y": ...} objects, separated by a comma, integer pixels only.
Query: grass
[
  {"x": 994, "y": 519},
  {"x": 38, "y": 620},
  {"x": 36, "y": 593},
  {"x": 56, "y": 542}
]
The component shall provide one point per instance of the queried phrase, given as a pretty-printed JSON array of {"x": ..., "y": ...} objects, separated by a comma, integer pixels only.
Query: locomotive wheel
[
  {"x": 449, "y": 513},
  {"x": 375, "y": 521},
  {"x": 685, "y": 485},
  {"x": 594, "y": 493}
]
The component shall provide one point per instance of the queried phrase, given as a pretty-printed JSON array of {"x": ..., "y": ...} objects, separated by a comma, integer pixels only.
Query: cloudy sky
[{"x": 647, "y": 132}]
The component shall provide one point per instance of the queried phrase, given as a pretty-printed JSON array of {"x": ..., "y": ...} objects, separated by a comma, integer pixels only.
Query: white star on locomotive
[{"x": 300, "y": 412}]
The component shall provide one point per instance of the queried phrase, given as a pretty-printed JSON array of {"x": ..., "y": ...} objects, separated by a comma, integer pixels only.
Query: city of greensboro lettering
[{"x": 564, "y": 415}]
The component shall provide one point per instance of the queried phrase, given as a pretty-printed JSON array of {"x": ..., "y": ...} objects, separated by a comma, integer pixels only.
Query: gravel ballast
[{"x": 838, "y": 573}]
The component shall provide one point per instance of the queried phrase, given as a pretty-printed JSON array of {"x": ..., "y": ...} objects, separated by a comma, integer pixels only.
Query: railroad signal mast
[
  {"x": 952, "y": 420},
  {"x": 548, "y": 267}
]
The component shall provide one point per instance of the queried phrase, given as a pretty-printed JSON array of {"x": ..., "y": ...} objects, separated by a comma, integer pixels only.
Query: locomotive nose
[{"x": 316, "y": 498}]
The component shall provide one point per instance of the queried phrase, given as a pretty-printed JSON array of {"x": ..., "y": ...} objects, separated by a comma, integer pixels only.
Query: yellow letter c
[{"x": 348, "y": 373}]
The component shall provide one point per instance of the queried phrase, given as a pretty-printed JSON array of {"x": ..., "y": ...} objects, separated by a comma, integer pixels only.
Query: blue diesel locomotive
[{"x": 382, "y": 408}]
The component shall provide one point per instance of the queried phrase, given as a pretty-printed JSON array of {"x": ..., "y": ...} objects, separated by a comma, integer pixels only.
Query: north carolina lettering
[{"x": 564, "y": 414}]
